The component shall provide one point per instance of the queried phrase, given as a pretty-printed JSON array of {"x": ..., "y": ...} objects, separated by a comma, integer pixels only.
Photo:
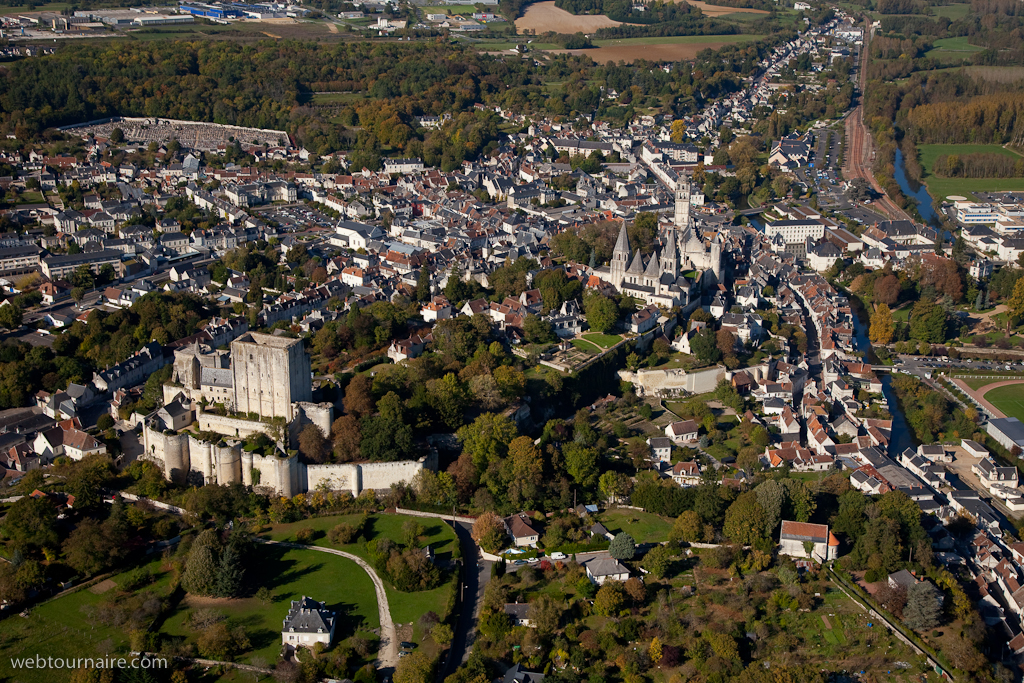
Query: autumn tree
[
  {"x": 887, "y": 289},
  {"x": 609, "y": 599},
  {"x": 359, "y": 399},
  {"x": 313, "y": 445},
  {"x": 489, "y": 532},
  {"x": 881, "y": 331}
]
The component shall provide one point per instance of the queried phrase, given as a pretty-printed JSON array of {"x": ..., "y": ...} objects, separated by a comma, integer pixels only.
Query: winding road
[{"x": 387, "y": 656}]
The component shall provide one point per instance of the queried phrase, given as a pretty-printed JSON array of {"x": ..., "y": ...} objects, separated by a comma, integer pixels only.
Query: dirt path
[
  {"x": 332, "y": 27},
  {"x": 387, "y": 656},
  {"x": 979, "y": 394}
]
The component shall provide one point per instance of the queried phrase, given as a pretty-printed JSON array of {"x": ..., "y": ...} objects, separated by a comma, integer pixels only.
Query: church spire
[{"x": 622, "y": 244}]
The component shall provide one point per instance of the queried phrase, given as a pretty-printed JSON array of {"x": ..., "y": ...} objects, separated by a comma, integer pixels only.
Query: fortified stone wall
[{"x": 231, "y": 426}]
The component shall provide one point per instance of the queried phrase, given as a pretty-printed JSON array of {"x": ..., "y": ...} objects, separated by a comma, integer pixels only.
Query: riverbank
[{"x": 900, "y": 437}]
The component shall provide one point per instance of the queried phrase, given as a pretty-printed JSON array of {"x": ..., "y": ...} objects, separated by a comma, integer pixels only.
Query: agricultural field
[
  {"x": 544, "y": 16},
  {"x": 674, "y": 48},
  {"x": 1008, "y": 399},
  {"x": 940, "y": 188},
  {"x": 644, "y": 527},
  {"x": 719, "y": 10},
  {"x": 281, "y": 29}
]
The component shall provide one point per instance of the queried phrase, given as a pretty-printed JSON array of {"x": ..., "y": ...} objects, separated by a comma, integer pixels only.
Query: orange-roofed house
[{"x": 794, "y": 536}]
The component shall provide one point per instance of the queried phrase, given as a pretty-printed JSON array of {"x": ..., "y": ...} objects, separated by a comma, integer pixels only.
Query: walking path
[
  {"x": 979, "y": 394},
  {"x": 387, "y": 656}
]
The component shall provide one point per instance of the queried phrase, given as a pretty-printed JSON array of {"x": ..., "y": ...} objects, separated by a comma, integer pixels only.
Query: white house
[
  {"x": 682, "y": 432},
  {"x": 521, "y": 531},
  {"x": 794, "y": 535},
  {"x": 661, "y": 448},
  {"x": 308, "y": 622},
  {"x": 601, "y": 569}
]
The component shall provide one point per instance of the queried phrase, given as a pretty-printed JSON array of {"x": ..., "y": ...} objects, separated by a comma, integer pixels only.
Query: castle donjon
[
  {"x": 215, "y": 399},
  {"x": 659, "y": 279}
]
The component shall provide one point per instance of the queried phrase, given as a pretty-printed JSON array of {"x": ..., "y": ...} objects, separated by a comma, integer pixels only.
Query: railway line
[{"x": 858, "y": 158}]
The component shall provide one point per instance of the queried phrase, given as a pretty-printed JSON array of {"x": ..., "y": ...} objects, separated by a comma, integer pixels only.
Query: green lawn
[
  {"x": 605, "y": 341},
  {"x": 50, "y": 7},
  {"x": 585, "y": 346},
  {"x": 954, "y": 12},
  {"x": 644, "y": 527},
  {"x": 405, "y": 607},
  {"x": 1008, "y": 399},
  {"x": 338, "y": 98},
  {"x": 952, "y": 49},
  {"x": 66, "y": 627},
  {"x": 450, "y": 9},
  {"x": 940, "y": 188},
  {"x": 979, "y": 383},
  {"x": 902, "y": 314},
  {"x": 291, "y": 573}
]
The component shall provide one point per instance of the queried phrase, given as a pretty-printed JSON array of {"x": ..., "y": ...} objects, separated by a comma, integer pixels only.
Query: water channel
[
  {"x": 899, "y": 439},
  {"x": 921, "y": 196}
]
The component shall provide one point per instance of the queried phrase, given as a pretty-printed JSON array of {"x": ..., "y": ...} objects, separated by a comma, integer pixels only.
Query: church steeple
[{"x": 620, "y": 256}]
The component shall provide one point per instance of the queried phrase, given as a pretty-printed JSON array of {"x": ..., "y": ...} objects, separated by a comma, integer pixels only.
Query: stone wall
[
  {"x": 320, "y": 414},
  {"x": 231, "y": 426},
  {"x": 674, "y": 382}
]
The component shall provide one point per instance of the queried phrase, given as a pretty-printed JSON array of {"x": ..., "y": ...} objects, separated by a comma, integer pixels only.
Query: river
[
  {"x": 921, "y": 196},
  {"x": 899, "y": 440}
]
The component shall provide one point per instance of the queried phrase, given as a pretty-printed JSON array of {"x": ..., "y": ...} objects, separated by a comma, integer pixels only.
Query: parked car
[{"x": 557, "y": 556}]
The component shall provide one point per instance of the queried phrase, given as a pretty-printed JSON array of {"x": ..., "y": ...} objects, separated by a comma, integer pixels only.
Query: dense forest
[{"x": 268, "y": 85}]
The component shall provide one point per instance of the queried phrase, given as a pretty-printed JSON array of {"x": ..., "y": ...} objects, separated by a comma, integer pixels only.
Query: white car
[{"x": 557, "y": 556}]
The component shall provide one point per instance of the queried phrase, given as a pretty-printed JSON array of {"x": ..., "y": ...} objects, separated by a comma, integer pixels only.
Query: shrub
[{"x": 306, "y": 535}]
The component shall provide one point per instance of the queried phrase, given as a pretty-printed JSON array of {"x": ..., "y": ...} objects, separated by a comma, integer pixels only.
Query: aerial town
[{"x": 703, "y": 394}]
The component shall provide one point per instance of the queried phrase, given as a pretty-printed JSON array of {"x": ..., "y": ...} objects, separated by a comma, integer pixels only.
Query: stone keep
[{"x": 269, "y": 374}]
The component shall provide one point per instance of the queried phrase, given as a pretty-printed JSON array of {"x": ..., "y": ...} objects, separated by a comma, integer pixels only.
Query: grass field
[
  {"x": 644, "y": 527},
  {"x": 954, "y": 12},
  {"x": 450, "y": 9},
  {"x": 405, "y": 607},
  {"x": 940, "y": 188},
  {"x": 952, "y": 49},
  {"x": 289, "y": 574},
  {"x": 1008, "y": 399},
  {"x": 49, "y": 7},
  {"x": 65, "y": 627},
  {"x": 337, "y": 97},
  {"x": 605, "y": 341},
  {"x": 72, "y": 626},
  {"x": 586, "y": 346}
]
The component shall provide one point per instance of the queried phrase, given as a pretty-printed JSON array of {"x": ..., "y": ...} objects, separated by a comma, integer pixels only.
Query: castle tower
[
  {"x": 269, "y": 374},
  {"x": 682, "y": 214},
  {"x": 620, "y": 256}
]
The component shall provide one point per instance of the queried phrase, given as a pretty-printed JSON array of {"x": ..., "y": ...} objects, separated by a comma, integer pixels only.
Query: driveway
[{"x": 387, "y": 656}]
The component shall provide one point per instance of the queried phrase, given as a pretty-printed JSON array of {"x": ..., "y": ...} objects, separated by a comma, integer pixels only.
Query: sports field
[{"x": 1008, "y": 399}]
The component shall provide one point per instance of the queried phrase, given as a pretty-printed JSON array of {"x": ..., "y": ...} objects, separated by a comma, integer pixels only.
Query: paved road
[
  {"x": 475, "y": 574},
  {"x": 387, "y": 656}
]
